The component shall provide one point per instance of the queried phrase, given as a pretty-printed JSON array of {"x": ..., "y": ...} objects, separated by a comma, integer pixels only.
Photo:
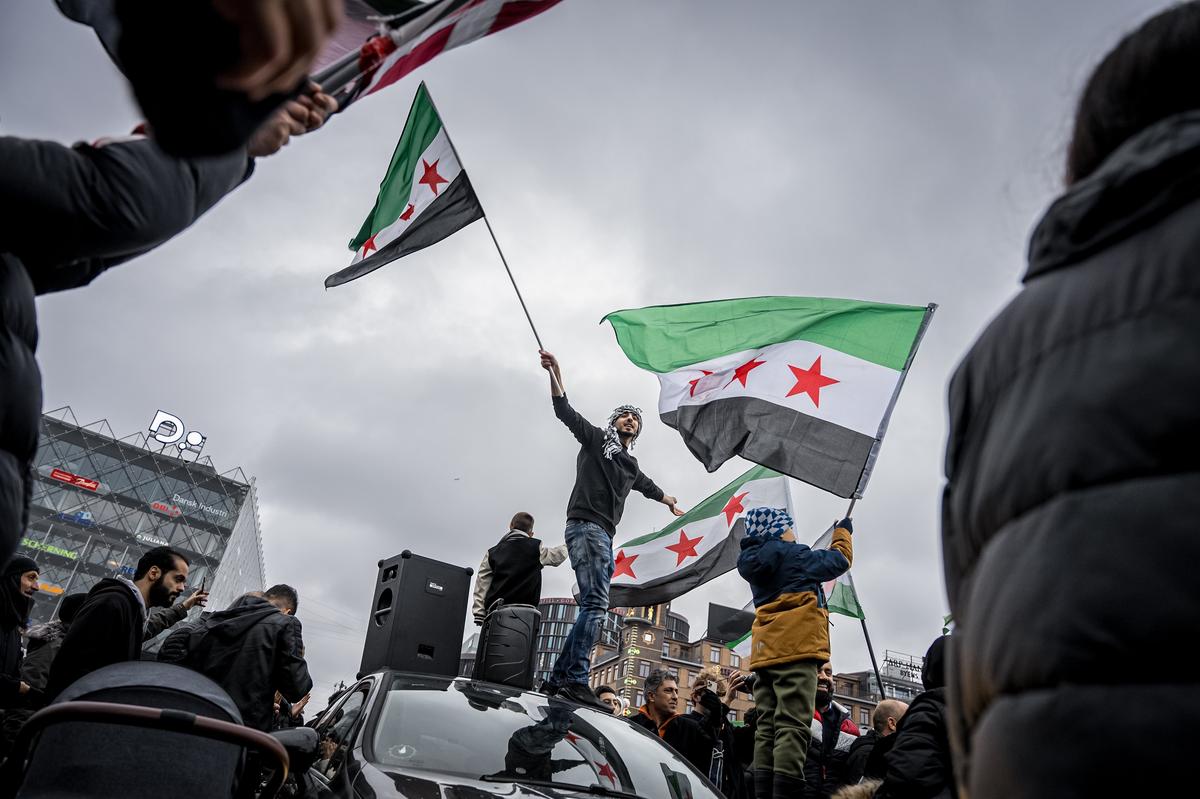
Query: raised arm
[{"x": 550, "y": 364}]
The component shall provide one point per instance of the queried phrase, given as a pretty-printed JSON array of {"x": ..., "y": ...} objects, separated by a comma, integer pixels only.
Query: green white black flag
[
  {"x": 424, "y": 197},
  {"x": 802, "y": 385}
]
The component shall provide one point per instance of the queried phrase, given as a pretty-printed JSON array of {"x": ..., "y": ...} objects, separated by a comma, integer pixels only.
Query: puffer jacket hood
[{"x": 1152, "y": 174}]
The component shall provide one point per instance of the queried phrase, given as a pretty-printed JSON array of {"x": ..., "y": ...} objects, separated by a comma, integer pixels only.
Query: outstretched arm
[{"x": 647, "y": 488}]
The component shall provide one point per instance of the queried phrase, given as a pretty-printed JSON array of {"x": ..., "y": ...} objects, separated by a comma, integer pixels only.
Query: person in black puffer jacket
[
  {"x": 1069, "y": 515},
  {"x": 918, "y": 764}
]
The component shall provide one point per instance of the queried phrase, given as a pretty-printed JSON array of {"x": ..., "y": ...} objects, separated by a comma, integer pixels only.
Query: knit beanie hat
[{"x": 767, "y": 523}]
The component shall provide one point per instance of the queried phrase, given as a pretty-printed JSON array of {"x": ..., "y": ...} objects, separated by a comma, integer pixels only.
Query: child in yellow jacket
[{"x": 789, "y": 640}]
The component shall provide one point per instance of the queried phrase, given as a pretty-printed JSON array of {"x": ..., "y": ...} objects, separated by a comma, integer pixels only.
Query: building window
[
  {"x": 643, "y": 668},
  {"x": 674, "y": 672},
  {"x": 864, "y": 717},
  {"x": 666, "y": 649},
  {"x": 714, "y": 655},
  {"x": 735, "y": 660},
  {"x": 639, "y": 700}
]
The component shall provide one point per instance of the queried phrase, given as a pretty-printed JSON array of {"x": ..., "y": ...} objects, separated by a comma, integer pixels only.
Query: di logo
[{"x": 167, "y": 428}]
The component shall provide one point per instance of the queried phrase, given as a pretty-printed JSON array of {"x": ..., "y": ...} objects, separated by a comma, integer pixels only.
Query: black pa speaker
[{"x": 417, "y": 616}]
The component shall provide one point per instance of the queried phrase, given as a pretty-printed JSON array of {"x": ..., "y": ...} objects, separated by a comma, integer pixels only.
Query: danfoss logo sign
[
  {"x": 167, "y": 428},
  {"x": 75, "y": 480}
]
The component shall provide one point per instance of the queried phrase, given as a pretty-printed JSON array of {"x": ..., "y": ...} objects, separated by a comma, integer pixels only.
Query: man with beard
[
  {"x": 825, "y": 768},
  {"x": 109, "y": 627},
  {"x": 605, "y": 473},
  {"x": 18, "y": 584}
]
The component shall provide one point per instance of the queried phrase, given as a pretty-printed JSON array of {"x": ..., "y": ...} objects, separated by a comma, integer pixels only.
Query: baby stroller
[{"x": 138, "y": 729}]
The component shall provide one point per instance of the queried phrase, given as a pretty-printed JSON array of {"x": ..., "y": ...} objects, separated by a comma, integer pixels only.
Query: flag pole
[
  {"x": 488, "y": 222},
  {"x": 874, "y": 663},
  {"x": 863, "y": 621}
]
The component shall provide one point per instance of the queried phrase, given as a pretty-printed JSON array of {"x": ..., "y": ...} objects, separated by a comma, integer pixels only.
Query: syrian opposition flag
[
  {"x": 802, "y": 385},
  {"x": 424, "y": 197},
  {"x": 702, "y": 544},
  {"x": 413, "y": 34},
  {"x": 840, "y": 597}
]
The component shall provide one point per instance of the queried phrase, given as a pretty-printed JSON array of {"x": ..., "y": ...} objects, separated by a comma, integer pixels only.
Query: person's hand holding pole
[
  {"x": 296, "y": 117},
  {"x": 550, "y": 364}
]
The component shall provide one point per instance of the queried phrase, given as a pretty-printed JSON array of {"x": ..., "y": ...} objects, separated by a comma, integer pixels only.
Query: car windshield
[{"x": 487, "y": 732}]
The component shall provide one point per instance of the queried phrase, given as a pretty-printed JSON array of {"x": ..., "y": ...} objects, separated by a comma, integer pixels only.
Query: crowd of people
[
  {"x": 1072, "y": 425},
  {"x": 253, "y": 650}
]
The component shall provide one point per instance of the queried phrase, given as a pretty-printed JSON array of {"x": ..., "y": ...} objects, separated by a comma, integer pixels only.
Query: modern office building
[{"x": 100, "y": 502}]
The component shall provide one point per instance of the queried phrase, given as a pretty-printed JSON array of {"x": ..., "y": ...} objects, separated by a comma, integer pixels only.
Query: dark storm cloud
[{"x": 628, "y": 153}]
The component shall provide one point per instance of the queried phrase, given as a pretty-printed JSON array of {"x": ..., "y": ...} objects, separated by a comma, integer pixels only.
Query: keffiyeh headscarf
[
  {"x": 767, "y": 523},
  {"x": 612, "y": 440}
]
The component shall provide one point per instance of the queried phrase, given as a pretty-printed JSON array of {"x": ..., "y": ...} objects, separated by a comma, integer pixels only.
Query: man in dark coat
[
  {"x": 18, "y": 584},
  {"x": 511, "y": 571},
  {"x": 918, "y": 764},
  {"x": 252, "y": 649},
  {"x": 110, "y": 627},
  {"x": 44, "y": 642},
  {"x": 834, "y": 733},
  {"x": 865, "y": 758},
  {"x": 1069, "y": 513},
  {"x": 70, "y": 213}
]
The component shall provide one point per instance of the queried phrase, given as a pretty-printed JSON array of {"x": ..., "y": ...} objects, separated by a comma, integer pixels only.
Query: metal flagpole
[
  {"x": 503, "y": 260},
  {"x": 874, "y": 663},
  {"x": 863, "y": 621}
]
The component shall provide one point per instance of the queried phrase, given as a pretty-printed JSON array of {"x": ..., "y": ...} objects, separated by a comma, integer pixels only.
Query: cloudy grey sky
[{"x": 628, "y": 154}]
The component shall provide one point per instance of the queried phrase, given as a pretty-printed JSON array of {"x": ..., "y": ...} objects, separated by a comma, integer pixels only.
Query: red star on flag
[
  {"x": 733, "y": 507},
  {"x": 685, "y": 548},
  {"x": 693, "y": 383},
  {"x": 624, "y": 565},
  {"x": 810, "y": 381},
  {"x": 369, "y": 245},
  {"x": 742, "y": 372},
  {"x": 408, "y": 212},
  {"x": 431, "y": 178},
  {"x": 607, "y": 772}
]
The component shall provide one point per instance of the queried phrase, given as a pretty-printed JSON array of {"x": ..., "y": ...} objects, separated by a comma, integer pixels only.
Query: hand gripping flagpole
[{"x": 488, "y": 222}]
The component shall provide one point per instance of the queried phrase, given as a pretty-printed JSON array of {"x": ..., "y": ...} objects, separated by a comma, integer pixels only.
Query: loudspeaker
[{"x": 417, "y": 616}]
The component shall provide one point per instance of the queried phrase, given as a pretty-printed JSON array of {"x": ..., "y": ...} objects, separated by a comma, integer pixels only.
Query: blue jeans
[{"x": 590, "y": 548}]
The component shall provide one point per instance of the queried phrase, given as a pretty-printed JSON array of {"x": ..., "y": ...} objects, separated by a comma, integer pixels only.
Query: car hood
[{"x": 394, "y": 782}]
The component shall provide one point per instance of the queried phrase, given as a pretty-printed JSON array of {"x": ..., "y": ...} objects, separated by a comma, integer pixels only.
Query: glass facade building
[{"x": 100, "y": 502}]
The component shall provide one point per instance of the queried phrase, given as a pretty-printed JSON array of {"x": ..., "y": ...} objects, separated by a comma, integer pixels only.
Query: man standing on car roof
[{"x": 605, "y": 473}]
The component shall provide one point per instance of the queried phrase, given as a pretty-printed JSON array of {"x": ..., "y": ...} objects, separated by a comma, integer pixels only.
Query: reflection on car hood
[{"x": 424, "y": 785}]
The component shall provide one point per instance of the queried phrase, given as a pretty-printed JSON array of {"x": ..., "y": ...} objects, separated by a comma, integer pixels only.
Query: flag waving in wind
[
  {"x": 697, "y": 547},
  {"x": 424, "y": 197},
  {"x": 802, "y": 385}
]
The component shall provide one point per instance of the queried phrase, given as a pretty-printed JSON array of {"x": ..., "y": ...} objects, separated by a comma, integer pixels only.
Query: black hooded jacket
[
  {"x": 14, "y": 610},
  {"x": 107, "y": 629},
  {"x": 918, "y": 764},
  {"x": 1069, "y": 513},
  {"x": 251, "y": 650}
]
